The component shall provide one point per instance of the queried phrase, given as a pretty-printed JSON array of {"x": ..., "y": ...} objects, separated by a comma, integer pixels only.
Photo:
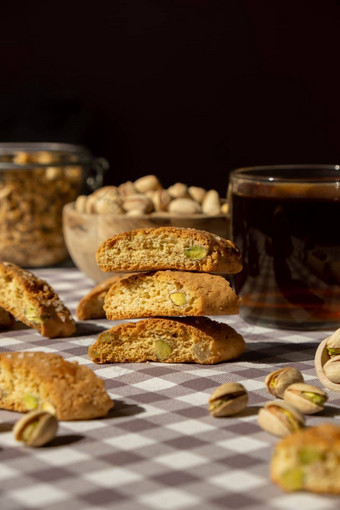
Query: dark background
[{"x": 185, "y": 89}]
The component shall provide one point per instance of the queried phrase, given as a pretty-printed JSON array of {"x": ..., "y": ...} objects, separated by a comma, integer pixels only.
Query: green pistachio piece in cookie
[
  {"x": 162, "y": 349},
  {"x": 308, "y": 455},
  {"x": 31, "y": 402},
  {"x": 196, "y": 253},
  {"x": 292, "y": 480},
  {"x": 178, "y": 298},
  {"x": 32, "y": 315},
  {"x": 104, "y": 337}
]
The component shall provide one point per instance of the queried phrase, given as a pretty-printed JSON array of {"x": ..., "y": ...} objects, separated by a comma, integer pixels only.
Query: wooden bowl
[
  {"x": 321, "y": 357},
  {"x": 83, "y": 232}
]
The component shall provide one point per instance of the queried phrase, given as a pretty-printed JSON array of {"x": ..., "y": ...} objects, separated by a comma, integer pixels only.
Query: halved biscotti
[
  {"x": 183, "y": 249},
  {"x": 91, "y": 306},
  {"x": 33, "y": 301},
  {"x": 170, "y": 293},
  {"x": 309, "y": 460},
  {"x": 180, "y": 340},
  {"x": 39, "y": 380}
]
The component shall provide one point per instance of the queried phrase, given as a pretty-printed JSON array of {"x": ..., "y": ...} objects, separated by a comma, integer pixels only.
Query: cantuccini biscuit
[
  {"x": 91, "y": 306},
  {"x": 183, "y": 249},
  {"x": 194, "y": 340},
  {"x": 170, "y": 293},
  {"x": 38, "y": 380},
  {"x": 309, "y": 460},
  {"x": 34, "y": 302}
]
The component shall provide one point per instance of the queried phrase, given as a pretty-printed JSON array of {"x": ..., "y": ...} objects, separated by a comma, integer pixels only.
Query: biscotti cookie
[
  {"x": 38, "y": 380},
  {"x": 170, "y": 293},
  {"x": 309, "y": 460},
  {"x": 34, "y": 302},
  {"x": 180, "y": 340},
  {"x": 91, "y": 306},
  {"x": 6, "y": 319},
  {"x": 183, "y": 249}
]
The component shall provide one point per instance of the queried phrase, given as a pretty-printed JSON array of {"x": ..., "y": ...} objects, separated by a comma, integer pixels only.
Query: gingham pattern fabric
[{"x": 159, "y": 448}]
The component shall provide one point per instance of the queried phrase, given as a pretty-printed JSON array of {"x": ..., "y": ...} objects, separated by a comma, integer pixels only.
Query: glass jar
[{"x": 36, "y": 181}]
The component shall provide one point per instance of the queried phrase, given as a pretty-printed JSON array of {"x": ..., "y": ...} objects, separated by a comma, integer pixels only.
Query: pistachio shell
[
  {"x": 147, "y": 183},
  {"x": 279, "y": 380},
  {"x": 307, "y": 398},
  {"x": 320, "y": 360},
  {"x": 36, "y": 428},
  {"x": 332, "y": 369},
  {"x": 333, "y": 343},
  {"x": 228, "y": 399},
  {"x": 280, "y": 418}
]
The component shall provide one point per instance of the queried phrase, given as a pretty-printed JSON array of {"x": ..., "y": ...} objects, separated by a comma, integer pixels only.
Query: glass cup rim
[{"x": 271, "y": 173}]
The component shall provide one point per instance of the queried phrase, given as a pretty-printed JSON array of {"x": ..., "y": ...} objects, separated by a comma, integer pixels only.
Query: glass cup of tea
[{"x": 284, "y": 220}]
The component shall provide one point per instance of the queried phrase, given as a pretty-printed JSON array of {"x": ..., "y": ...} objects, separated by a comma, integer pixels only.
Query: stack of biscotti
[{"x": 176, "y": 282}]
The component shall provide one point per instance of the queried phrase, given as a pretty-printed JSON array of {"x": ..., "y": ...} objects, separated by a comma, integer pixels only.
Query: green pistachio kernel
[
  {"x": 333, "y": 352},
  {"x": 314, "y": 397},
  {"x": 196, "y": 253},
  {"x": 162, "y": 349},
  {"x": 309, "y": 455},
  {"x": 295, "y": 425},
  {"x": 292, "y": 480},
  {"x": 31, "y": 402},
  {"x": 32, "y": 315},
  {"x": 178, "y": 298}
]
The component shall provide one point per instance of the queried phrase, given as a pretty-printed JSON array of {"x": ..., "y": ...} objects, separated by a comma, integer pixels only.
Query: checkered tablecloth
[{"x": 159, "y": 448}]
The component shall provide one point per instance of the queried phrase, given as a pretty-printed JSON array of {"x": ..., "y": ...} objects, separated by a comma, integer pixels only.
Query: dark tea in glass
[{"x": 285, "y": 220}]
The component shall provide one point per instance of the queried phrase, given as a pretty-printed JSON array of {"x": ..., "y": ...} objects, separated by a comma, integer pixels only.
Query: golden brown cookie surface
[
  {"x": 162, "y": 248},
  {"x": 170, "y": 293},
  {"x": 193, "y": 340},
  {"x": 34, "y": 302},
  {"x": 91, "y": 306},
  {"x": 309, "y": 460},
  {"x": 38, "y": 380}
]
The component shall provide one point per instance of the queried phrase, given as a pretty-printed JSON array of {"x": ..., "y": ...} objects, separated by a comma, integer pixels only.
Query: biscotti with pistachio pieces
[
  {"x": 182, "y": 249},
  {"x": 34, "y": 302},
  {"x": 309, "y": 460},
  {"x": 171, "y": 294},
  {"x": 91, "y": 306},
  {"x": 39, "y": 380},
  {"x": 179, "y": 340}
]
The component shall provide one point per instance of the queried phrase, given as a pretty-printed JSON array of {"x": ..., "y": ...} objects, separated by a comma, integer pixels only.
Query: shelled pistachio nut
[
  {"x": 228, "y": 399},
  {"x": 279, "y": 380},
  {"x": 36, "y": 428},
  {"x": 333, "y": 343},
  {"x": 332, "y": 369},
  {"x": 280, "y": 418},
  {"x": 307, "y": 398}
]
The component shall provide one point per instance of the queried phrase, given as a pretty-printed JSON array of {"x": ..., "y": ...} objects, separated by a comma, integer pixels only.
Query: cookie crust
[
  {"x": 309, "y": 460},
  {"x": 181, "y": 340},
  {"x": 154, "y": 294},
  {"x": 163, "y": 248},
  {"x": 34, "y": 302},
  {"x": 30, "y": 380}
]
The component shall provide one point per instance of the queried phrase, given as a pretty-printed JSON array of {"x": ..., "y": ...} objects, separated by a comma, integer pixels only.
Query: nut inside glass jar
[{"x": 36, "y": 181}]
